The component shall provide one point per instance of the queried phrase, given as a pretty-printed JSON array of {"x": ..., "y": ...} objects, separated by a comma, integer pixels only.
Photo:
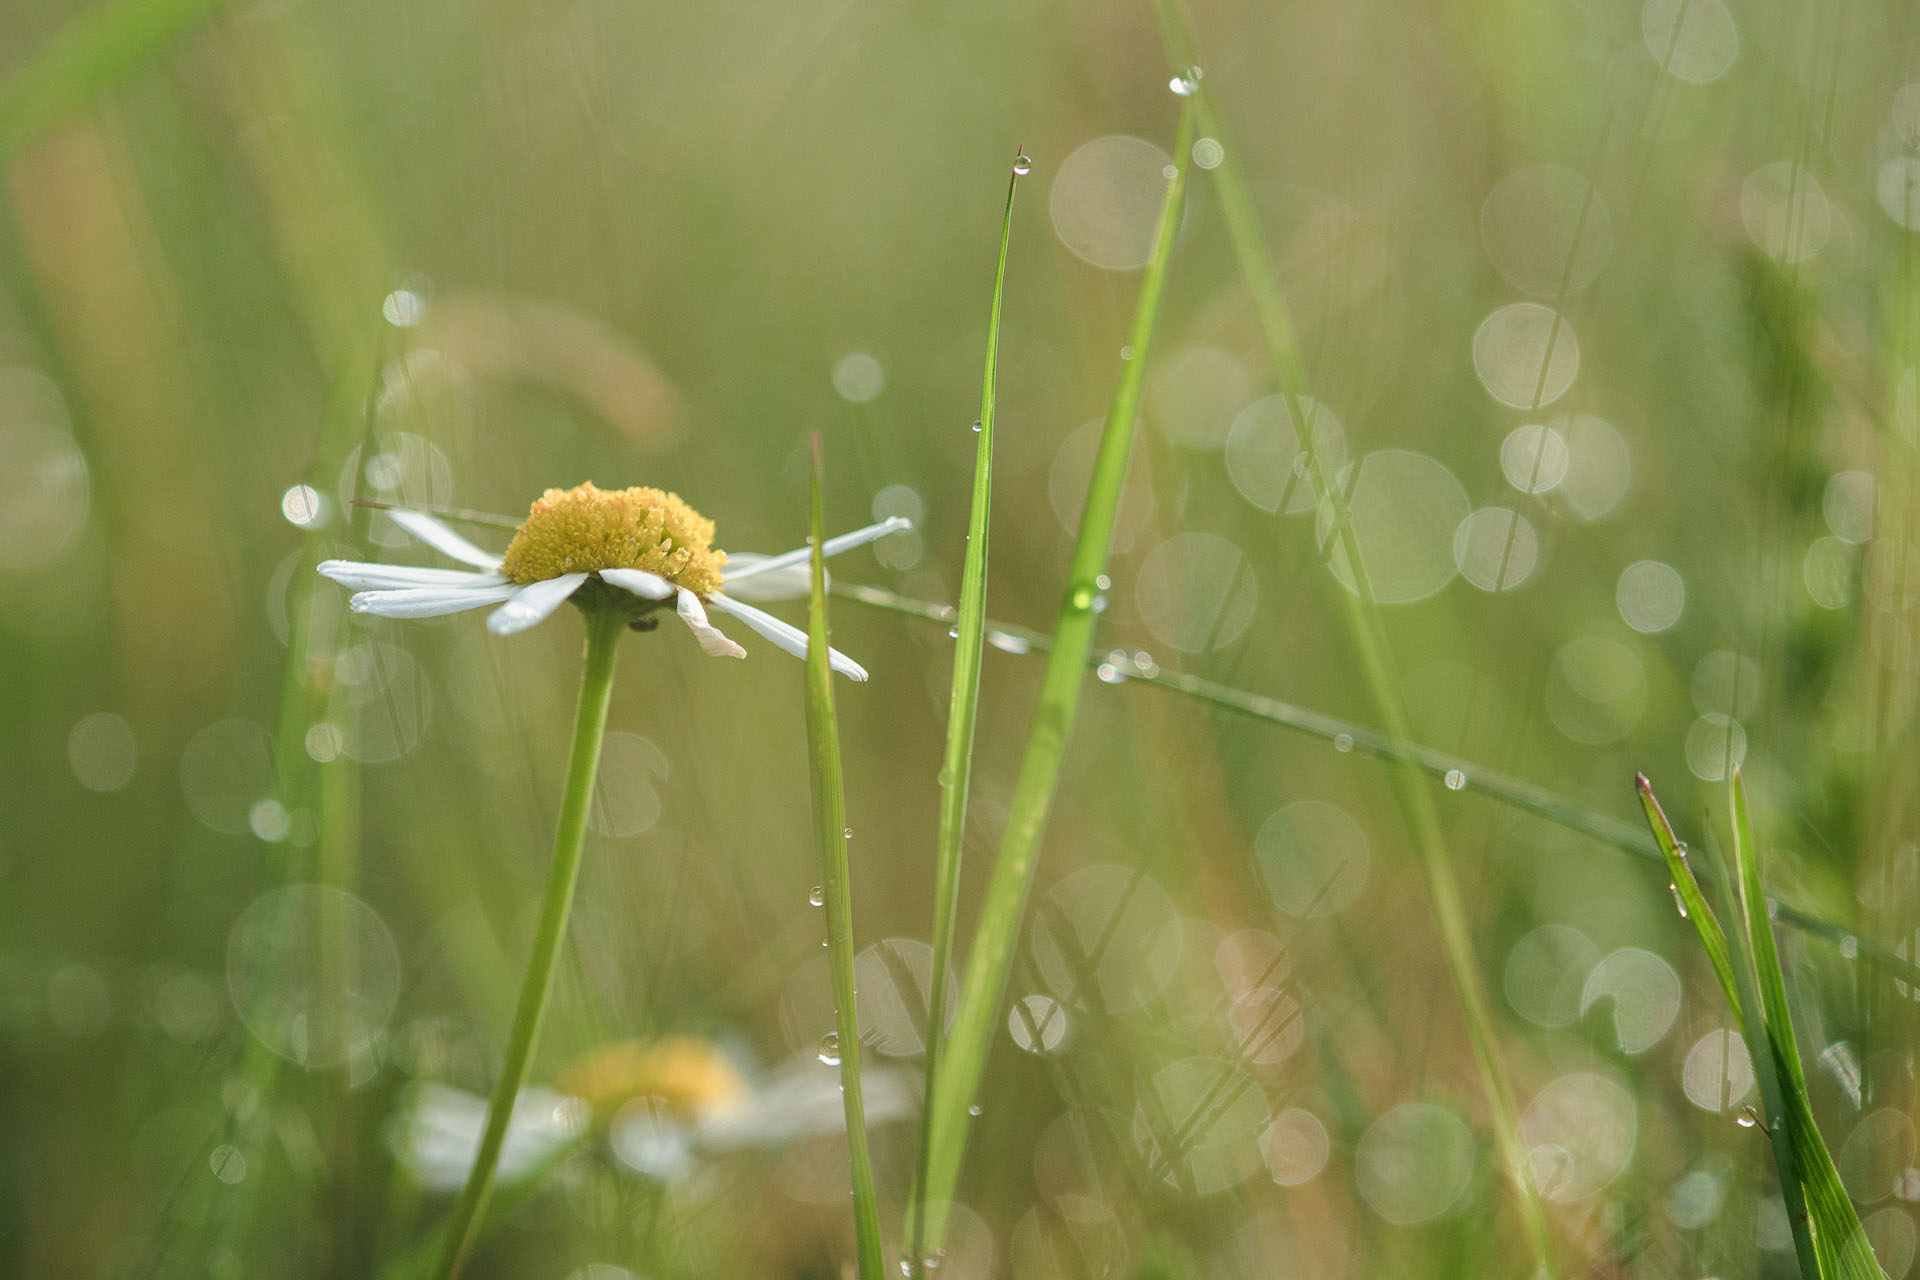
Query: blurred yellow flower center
[
  {"x": 689, "y": 1077},
  {"x": 584, "y": 529}
]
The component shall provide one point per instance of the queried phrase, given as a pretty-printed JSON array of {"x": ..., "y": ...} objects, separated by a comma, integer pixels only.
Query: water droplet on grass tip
[
  {"x": 1022, "y": 165},
  {"x": 1455, "y": 780},
  {"x": 830, "y": 1048},
  {"x": 1187, "y": 83},
  {"x": 817, "y": 896}
]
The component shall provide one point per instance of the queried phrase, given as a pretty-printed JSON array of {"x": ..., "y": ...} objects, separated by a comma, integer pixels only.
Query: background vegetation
[{"x": 1611, "y": 311}]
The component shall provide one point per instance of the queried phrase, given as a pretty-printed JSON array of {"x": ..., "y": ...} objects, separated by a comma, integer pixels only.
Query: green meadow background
[{"x": 1611, "y": 314}]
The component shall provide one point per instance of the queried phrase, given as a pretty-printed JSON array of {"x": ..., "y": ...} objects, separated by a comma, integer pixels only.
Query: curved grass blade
[
  {"x": 1360, "y": 739},
  {"x": 956, "y": 765},
  {"x": 830, "y": 827},
  {"x": 1837, "y": 1238},
  {"x": 995, "y": 939}
]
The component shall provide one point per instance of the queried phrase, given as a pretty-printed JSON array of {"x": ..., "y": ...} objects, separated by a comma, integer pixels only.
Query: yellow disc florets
[{"x": 584, "y": 529}]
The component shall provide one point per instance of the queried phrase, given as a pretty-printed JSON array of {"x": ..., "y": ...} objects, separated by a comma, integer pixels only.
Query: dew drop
[
  {"x": 1679, "y": 903},
  {"x": 1022, "y": 165},
  {"x": 974, "y": 1110},
  {"x": 1187, "y": 83},
  {"x": 1126, "y": 353},
  {"x": 1850, "y": 947},
  {"x": 1103, "y": 582},
  {"x": 847, "y": 832},
  {"x": 817, "y": 895},
  {"x": 1744, "y": 1120},
  {"x": 1455, "y": 780},
  {"x": 1343, "y": 742},
  {"x": 976, "y": 424},
  {"x": 830, "y": 1048},
  {"x": 1109, "y": 673}
]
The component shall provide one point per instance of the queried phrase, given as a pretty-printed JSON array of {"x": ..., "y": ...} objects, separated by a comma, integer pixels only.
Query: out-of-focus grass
[{"x": 447, "y": 255}]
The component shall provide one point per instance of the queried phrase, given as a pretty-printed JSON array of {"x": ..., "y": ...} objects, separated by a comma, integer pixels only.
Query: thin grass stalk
[
  {"x": 830, "y": 833},
  {"x": 1458, "y": 772},
  {"x": 996, "y": 937},
  {"x": 963, "y": 704},
  {"x": 1368, "y": 635},
  {"x": 604, "y": 626}
]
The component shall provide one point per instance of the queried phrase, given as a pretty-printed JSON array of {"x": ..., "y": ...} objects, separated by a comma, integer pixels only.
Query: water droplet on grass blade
[
  {"x": 817, "y": 896},
  {"x": 1679, "y": 903},
  {"x": 1343, "y": 742},
  {"x": 1455, "y": 780},
  {"x": 1187, "y": 83},
  {"x": 830, "y": 1048},
  {"x": 1022, "y": 165},
  {"x": 974, "y": 1110}
]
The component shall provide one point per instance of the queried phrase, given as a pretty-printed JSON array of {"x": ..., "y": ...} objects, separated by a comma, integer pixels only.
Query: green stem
[{"x": 589, "y": 727}]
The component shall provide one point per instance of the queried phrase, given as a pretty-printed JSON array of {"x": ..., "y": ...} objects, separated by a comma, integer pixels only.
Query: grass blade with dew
[
  {"x": 1367, "y": 632},
  {"x": 1838, "y": 1239},
  {"x": 996, "y": 937},
  {"x": 1364, "y": 740},
  {"x": 92, "y": 54},
  {"x": 830, "y": 832},
  {"x": 956, "y": 763},
  {"x": 604, "y": 627}
]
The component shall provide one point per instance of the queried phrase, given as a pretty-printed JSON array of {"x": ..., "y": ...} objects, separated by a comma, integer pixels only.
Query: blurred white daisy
[{"x": 634, "y": 549}]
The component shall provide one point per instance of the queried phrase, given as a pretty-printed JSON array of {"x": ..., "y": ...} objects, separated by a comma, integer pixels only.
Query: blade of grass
[
  {"x": 1693, "y": 903},
  {"x": 830, "y": 832},
  {"x": 956, "y": 764},
  {"x": 1360, "y": 739},
  {"x": 1367, "y": 633},
  {"x": 995, "y": 938},
  {"x": 1801, "y": 1153},
  {"x": 89, "y": 56}
]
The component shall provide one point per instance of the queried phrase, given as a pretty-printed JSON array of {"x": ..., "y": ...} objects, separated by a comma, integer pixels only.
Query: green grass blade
[
  {"x": 1837, "y": 1238},
  {"x": 94, "y": 52},
  {"x": 1686, "y": 888},
  {"x": 956, "y": 766},
  {"x": 1367, "y": 633},
  {"x": 830, "y": 832},
  {"x": 997, "y": 935}
]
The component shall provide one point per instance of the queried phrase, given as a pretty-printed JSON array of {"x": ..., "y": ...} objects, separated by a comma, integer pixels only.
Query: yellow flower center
[
  {"x": 585, "y": 529},
  {"x": 690, "y": 1077}
]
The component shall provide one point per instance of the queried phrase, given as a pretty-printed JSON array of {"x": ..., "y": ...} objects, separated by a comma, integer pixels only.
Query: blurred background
[{"x": 1610, "y": 315}]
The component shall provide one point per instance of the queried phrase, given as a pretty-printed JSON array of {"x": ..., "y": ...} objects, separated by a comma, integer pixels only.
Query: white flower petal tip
[
  {"x": 746, "y": 568},
  {"x": 533, "y": 604},
  {"x": 714, "y": 642},
  {"x": 786, "y": 635},
  {"x": 442, "y": 539},
  {"x": 648, "y": 586}
]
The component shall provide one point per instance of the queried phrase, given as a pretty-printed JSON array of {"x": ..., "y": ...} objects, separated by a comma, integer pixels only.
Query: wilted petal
[{"x": 713, "y": 641}]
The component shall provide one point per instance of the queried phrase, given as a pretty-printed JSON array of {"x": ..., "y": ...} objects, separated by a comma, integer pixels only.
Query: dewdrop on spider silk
[{"x": 636, "y": 550}]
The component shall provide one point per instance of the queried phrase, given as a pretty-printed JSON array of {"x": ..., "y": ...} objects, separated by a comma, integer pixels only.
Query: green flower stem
[{"x": 589, "y": 727}]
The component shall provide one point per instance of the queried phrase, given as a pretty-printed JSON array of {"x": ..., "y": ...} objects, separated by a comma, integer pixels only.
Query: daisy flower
[{"x": 628, "y": 549}]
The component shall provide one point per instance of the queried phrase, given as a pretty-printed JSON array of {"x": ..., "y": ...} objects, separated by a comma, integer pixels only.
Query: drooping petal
[
  {"x": 533, "y": 603},
  {"x": 800, "y": 555},
  {"x": 363, "y": 576},
  {"x": 648, "y": 586},
  {"x": 429, "y": 602},
  {"x": 713, "y": 641},
  {"x": 442, "y": 539},
  {"x": 786, "y": 635},
  {"x": 747, "y": 580}
]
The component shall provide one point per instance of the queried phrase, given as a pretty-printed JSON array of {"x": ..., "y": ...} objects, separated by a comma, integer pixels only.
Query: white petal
[
  {"x": 800, "y": 555},
  {"x": 746, "y": 580},
  {"x": 786, "y": 635},
  {"x": 429, "y": 602},
  {"x": 442, "y": 539},
  {"x": 713, "y": 641},
  {"x": 362, "y": 576},
  {"x": 648, "y": 586},
  {"x": 534, "y": 603}
]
